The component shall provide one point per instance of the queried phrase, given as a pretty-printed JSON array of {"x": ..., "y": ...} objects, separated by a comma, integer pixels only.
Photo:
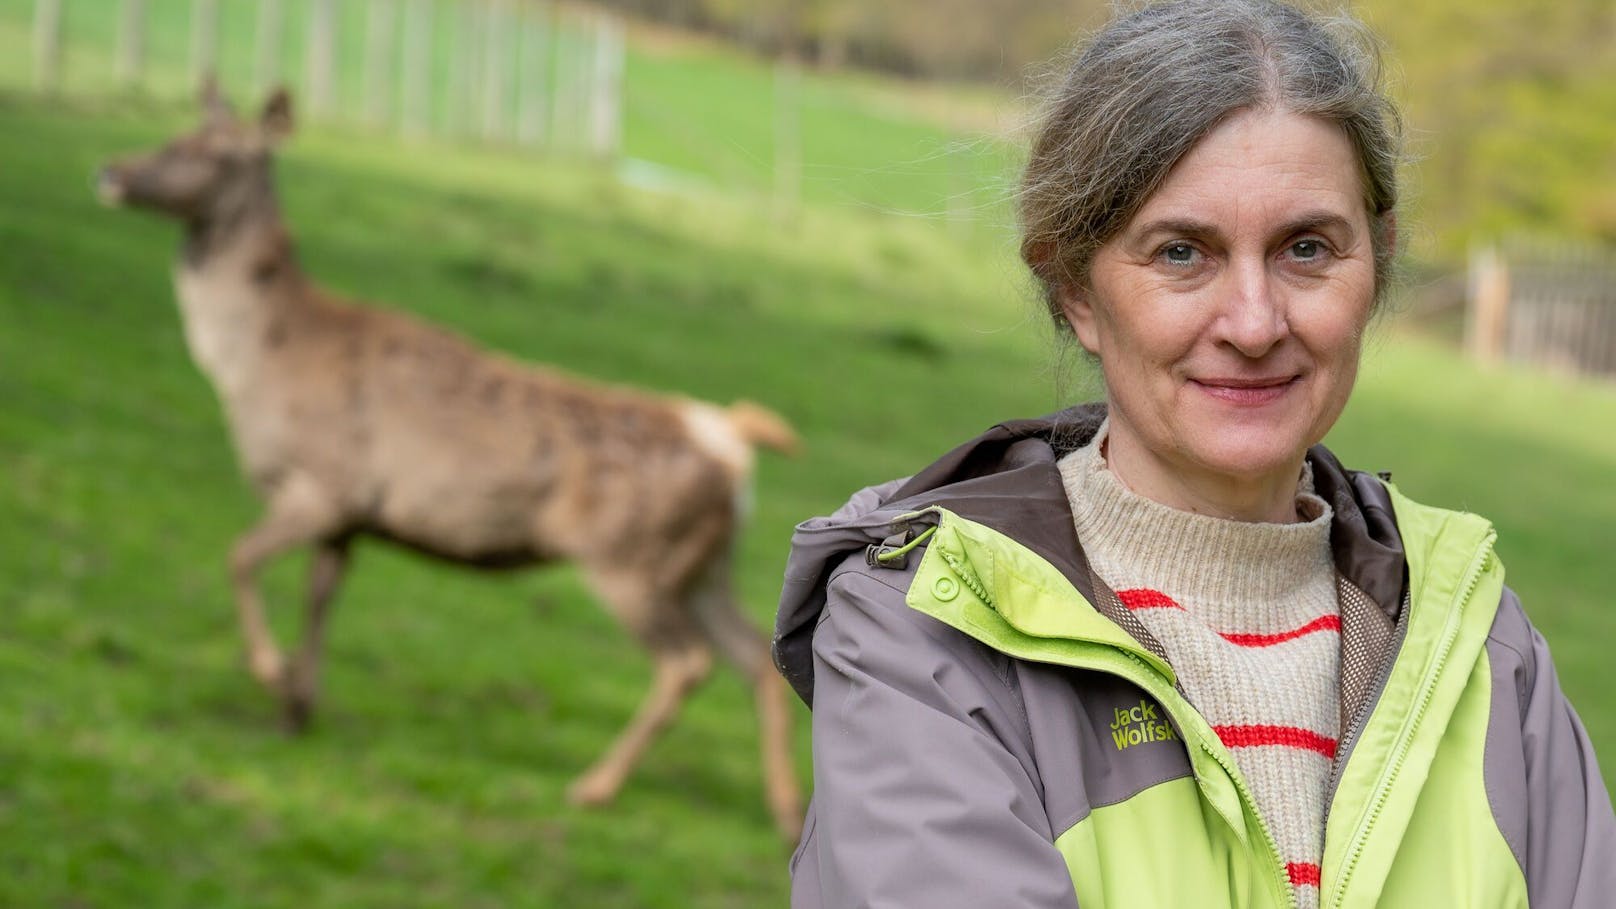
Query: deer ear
[
  {"x": 214, "y": 106},
  {"x": 276, "y": 120}
]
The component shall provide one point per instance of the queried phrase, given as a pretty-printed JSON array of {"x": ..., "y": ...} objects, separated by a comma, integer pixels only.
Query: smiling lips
[{"x": 1246, "y": 392}]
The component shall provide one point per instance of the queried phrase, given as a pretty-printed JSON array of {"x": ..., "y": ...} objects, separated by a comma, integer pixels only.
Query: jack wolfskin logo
[{"x": 1132, "y": 726}]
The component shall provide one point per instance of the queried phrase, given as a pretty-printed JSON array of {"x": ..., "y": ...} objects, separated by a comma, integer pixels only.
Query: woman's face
[{"x": 1228, "y": 313}]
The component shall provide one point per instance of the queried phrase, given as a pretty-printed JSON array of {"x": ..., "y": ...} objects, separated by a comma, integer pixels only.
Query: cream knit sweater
[{"x": 1246, "y": 615}]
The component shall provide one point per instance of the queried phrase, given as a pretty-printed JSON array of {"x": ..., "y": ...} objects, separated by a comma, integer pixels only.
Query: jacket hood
[{"x": 1007, "y": 480}]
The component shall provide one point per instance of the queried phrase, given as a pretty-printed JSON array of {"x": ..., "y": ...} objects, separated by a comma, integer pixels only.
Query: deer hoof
[
  {"x": 268, "y": 668},
  {"x": 591, "y": 790},
  {"x": 787, "y": 813},
  {"x": 790, "y": 828},
  {"x": 297, "y": 715}
]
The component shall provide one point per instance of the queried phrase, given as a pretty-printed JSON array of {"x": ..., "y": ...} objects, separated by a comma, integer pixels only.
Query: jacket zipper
[
  {"x": 1360, "y": 717},
  {"x": 1149, "y": 679},
  {"x": 1427, "y": 686}
]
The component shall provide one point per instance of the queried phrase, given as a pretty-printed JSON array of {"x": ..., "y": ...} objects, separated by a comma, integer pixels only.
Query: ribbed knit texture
[{"x": 1247, "y": 616}]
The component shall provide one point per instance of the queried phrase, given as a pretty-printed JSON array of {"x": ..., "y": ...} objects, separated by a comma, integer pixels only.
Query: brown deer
[{"x": 353, "y": 420}]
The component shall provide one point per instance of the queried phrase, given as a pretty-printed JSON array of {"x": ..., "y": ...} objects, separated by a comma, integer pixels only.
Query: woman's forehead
[{"x": 1259, "y": 168}]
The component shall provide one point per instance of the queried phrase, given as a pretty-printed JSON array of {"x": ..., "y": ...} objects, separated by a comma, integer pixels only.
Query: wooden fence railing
[
  {"x": 541, "y": 73},
  {"x": 1551, "y": 305}
]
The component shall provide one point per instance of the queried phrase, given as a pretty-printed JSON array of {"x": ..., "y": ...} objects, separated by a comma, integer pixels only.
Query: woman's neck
[{"x": 1269, "y": 498}]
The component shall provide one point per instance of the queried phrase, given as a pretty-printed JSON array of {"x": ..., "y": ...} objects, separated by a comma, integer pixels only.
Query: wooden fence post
[
  {"x": 496, "y": 69},
  {"x": 564, "y": 80},
  {"x": 605, "y": 108},
  {"x": 787, "y": 135},
  {"x": 322, "y": 57},
  {"x": 533, "y": 87},
  {"x": 267, "y": 56},
  {"x": 379, "y": 43},
  {"x": 131, "y": 43},
  {"x": 204, "y": 39},
  {"x": 48, "y": 45},
  {"x": 1487, "y": 315},
  {"x": 415, "y": 75},
  {"x": 462, "y": 70}
]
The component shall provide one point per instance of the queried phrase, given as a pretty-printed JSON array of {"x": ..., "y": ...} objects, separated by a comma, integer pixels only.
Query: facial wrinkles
[{"x": 1245, "y": 305}]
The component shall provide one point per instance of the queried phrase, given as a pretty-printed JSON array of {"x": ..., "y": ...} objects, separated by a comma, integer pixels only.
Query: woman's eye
[
  {"x": 1307, "y": 250},
  {"x": 1179, "y": 254}
]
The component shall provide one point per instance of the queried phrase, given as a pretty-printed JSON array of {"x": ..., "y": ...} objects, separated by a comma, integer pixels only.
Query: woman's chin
[{"x": 1246, "y": 460}]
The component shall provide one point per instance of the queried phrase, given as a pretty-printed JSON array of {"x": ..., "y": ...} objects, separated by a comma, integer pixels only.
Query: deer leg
[
  {"x": 722, "y": 620},
  {"x": 297, "y": 515},
  {"x": 779, "y": 771},
  {"x": 677, "y": 673},
  {"x": 329, "y": 563}
]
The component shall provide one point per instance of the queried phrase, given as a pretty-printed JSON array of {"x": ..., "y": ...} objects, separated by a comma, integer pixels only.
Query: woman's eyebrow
[
  {"x": 1320, "y": 219},
  {"x": 1317, "y": 220},
  {"x": 1187, "y": 227}
]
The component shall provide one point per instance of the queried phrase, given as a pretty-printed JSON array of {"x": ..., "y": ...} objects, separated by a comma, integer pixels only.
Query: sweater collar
[{"x": 1204, "y": 558}]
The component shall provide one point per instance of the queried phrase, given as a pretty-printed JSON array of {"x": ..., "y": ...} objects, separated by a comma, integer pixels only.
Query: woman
[{"x": 1167, "y": 651}]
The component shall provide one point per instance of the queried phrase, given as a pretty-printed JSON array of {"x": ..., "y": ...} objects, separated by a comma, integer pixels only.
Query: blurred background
[{"x": 802, "y": 203}]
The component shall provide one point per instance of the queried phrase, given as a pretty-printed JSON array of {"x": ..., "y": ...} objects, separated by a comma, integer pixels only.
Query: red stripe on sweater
[
  {"x": 1145, "y": 598},
  {"x": 1322, "y": 623},
  {"x": 1303, "y": 874},
  {"x": 1285, "y": 736}
]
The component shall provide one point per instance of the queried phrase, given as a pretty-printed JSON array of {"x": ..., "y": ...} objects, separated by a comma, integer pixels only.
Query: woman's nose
[{"x": 1253, "y": 318}]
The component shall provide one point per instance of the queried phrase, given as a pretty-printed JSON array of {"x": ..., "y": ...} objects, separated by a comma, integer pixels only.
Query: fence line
[
  {"x": 415, "y": 70},
  {"x": 539, "y": 73},
  {"x": 605, "y": 85},
  {"x": 1549, "y": 304},
  {"x": 533, "y": 94},
  {"x": 48, "y": 45},
  {"x": 380, "y": 28},
  {"x": 131, "y": 42},
  {"x": 321, "y": 51},
  {"x": 271, "y": 25},
  {"x": 204, "y": 38}
]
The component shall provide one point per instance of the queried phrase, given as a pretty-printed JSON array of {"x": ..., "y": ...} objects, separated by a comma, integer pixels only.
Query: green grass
[{"x": 140, "y": 766}]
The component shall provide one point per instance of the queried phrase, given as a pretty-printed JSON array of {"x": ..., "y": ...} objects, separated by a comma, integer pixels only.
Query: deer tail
[{"x": 762, "y": 426}]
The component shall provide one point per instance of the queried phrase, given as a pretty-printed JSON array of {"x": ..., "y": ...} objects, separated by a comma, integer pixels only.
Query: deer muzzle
[{"x": 109, "y": 187}]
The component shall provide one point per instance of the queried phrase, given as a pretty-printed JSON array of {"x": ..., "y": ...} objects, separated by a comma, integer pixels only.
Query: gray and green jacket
[{"x": 969, "y": 688}]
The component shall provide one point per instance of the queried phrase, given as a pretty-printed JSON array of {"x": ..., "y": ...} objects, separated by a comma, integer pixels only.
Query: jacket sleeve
[
  {"x": 1565, "y": 838},
  {"x": 925, "y": 793}
]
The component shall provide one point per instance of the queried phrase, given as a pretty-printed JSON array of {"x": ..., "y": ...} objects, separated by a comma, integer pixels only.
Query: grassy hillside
[{"x": 140, "y": 766}]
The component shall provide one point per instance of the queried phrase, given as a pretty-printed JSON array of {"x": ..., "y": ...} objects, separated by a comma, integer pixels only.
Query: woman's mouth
[{"x": 1245, "y": 392}]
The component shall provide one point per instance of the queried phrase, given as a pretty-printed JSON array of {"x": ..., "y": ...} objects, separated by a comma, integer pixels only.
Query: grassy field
[{"x": 140, "y": 766}]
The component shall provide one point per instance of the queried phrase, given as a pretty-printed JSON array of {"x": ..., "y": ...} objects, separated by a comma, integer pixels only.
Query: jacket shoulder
[{"x": 867, "y": 607}]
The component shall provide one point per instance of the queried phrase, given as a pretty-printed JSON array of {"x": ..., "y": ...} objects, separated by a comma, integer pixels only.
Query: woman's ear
[{"x": 1077, "y": 305}]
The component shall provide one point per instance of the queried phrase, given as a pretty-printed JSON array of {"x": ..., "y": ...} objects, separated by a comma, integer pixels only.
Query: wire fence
[
  {"x": 536, "y": 73},
  {"x": 1550, "y": 304}
]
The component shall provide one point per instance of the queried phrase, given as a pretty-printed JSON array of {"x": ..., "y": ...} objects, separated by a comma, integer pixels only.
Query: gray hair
[{"x": 1144, "y": 90}]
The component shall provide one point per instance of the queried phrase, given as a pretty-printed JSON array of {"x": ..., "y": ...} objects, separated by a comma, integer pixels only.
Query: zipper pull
[{"x": 893, "y": 552}]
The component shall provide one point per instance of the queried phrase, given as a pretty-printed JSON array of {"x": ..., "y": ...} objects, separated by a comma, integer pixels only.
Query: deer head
[{"x": 217, "y": 170}]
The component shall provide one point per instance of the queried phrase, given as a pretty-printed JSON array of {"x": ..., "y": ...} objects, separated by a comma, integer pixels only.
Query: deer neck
[{"x": 236, "y": 276}]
